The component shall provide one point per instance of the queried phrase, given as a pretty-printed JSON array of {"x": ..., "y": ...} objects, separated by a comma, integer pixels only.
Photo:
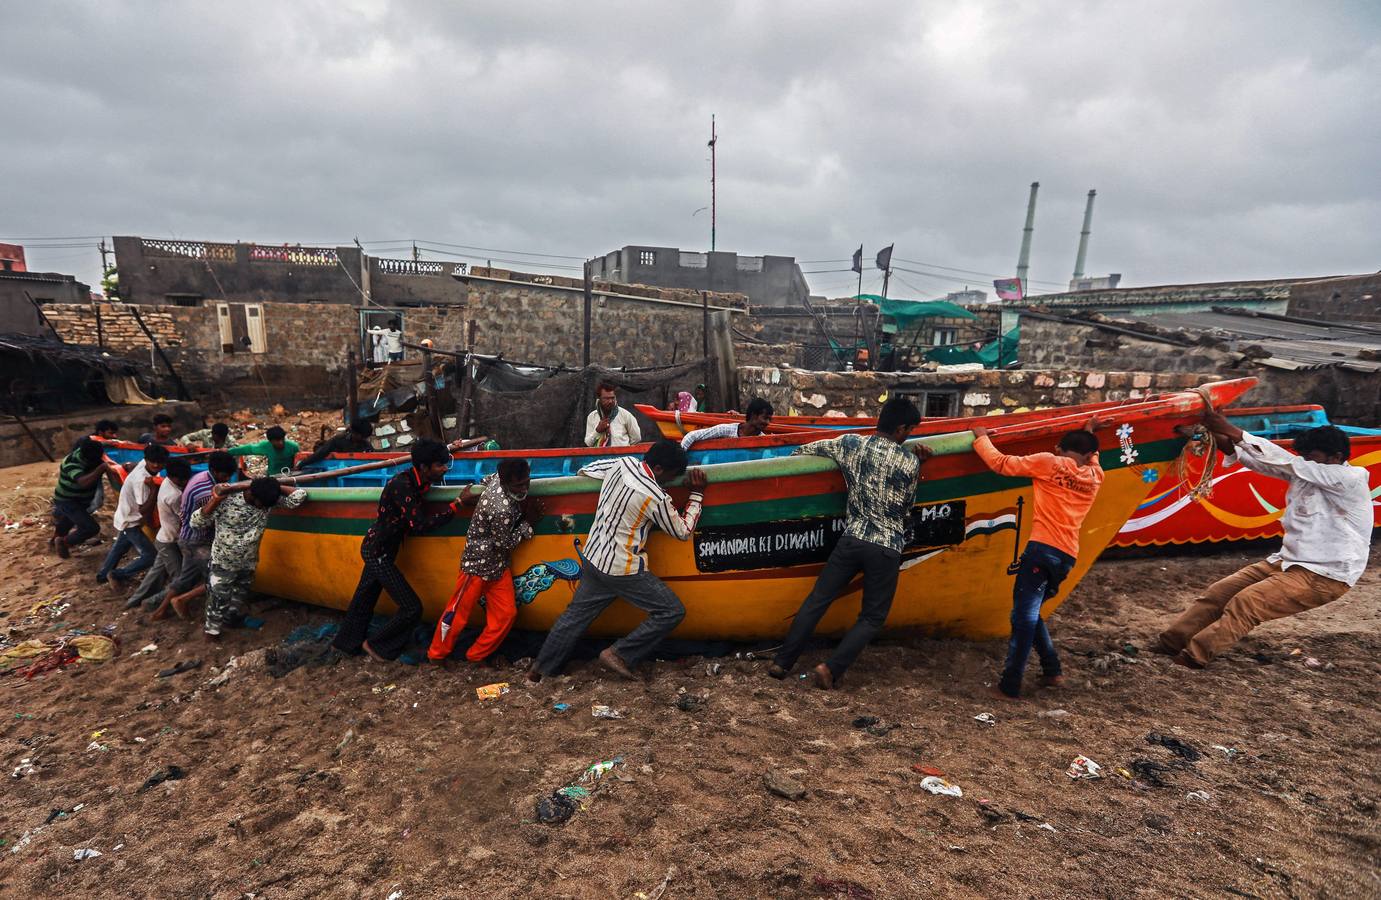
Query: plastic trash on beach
[
  {"x": 598, "y": 770},
  {"x": 1200, "y": 796},
  {"x": 25, "y": 767},
  {"x": 600, "y": 711},
  {"x": 1083, "y": 767},
  {"x": 986, "y": 718},
  {"x": 86, "y": 853},
  {"x": 492, "y": 691},
  {"x": 937, "y": 785},
  {"x": 560, "y": 707}
]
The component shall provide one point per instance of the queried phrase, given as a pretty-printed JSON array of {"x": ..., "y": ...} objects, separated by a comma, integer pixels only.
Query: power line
[
  {"x": 916, "y": 262},
  {"x": 823, "y": 271},
  {"x": 516, "y": 262},
  {"x": 580, "y": 259}
]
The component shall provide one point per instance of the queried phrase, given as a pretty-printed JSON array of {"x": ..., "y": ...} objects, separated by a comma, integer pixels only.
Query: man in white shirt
[
  {"x": 608, "y": 425},
  {"x": 393, "y": 339},
  {"x": 137, "y": 497},
  {"x": 1327, "y": 522},
  {"x": 631, "y": 501},
  {"x": 755, "y": 422},
  {"x": 168, "y": 563}
]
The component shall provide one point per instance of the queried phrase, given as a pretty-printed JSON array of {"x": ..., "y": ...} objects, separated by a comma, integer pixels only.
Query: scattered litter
[
  {"x": 851, "y": 890},
  {"x": 1296, "y": 652},
  {"x": 1123, "y": 772},
  {"x": 937, "y": 785},
  {"x": 690, "y": 702},
  {"x": 25, "y": 767},
  {"x": 344, "y": 742},
  {"x": 560, "y": 707},
  {"x": 147, "y": 648},
  {"x": 713, "y": 669},
  {"x": 1053, "y": 714},
  {"x": 1175, "y": 746},
  {"x": 96, "y": 735},
  {"x": 140, "y": 740},
  {"x": 396, "y": 895},
  {"x": 783, "y": 785},
  {"x": 1201, "y": 796},
  {"x": 97, "y": 746},
  {"x": 95, "y": 647},
  {"x": 803, "y": 676},
  {"x": 927, "y": 770},
  {"x": 986, "y": 718},
  {"x": 86, "y": 853},
  {"x": 881, "y": 730},
  {"x": 1046, "y": 826},
  {"x": 1083, "y": 767},
  {"x": 575, "y": 792},
  {"x": 187, "y": 665},
  {"x": 23, "y": 715},
  {"x": 865, "y": 721},
  {"x": 390, "y": 688},
  {"x": 1229, "y": 752},
  {"x": 254, "y": 623},
  {"x": 487, "y": 692},
  {"x": 657, "y": 892},
  {"x": 600, "y": 711},
  {"x": 117, "y": 848},
  {"x": 1312, "y": 663},
  {"x": 171, "y": 773},
  {"x": 598, "y": 770}
]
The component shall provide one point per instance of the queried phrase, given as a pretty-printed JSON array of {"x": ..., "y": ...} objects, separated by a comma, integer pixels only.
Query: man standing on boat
[
  {"x": 881, "y": 477},
  {"x": 1065, "y": 484},
  {"x": 755, "y": 422},
  {"x": 402, "y": 512},
  {"x": 1327, "y": 522},
  {"x": 608, "y": 424},
  {"x": 631, "y": 501}
]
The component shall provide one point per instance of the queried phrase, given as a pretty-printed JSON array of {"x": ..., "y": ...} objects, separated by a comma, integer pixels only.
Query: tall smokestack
[
  {"x": 1083, "y": 236},
  {"x": 1024, "y": 260}
]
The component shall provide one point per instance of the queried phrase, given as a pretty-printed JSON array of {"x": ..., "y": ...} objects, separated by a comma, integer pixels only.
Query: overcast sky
[{"x": 1226, "y": 139}]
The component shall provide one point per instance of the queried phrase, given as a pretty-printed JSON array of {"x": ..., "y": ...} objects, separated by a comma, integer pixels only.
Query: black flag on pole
[
  {"x": 858, "y": 260},
  {"x": 885, "y": 258}
]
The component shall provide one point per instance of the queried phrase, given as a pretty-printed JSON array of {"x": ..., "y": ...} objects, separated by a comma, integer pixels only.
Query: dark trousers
[
  {"x": 380, "y": 573},
  {"x": 880, "y": 567},
  {"x": 596, "y": 591},
  {"x": 1042, "y": 569},
  {"x": 130, "y": 537},
  {"x": 73, "y": 523}
]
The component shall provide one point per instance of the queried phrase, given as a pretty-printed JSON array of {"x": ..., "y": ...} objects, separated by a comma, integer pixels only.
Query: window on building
[
  {"x": 8, "y": 264},
  {"x": 945, "y": 336},
  {"x": 647, "y": 257},
  {"x": 242, "y": 327},
  {"x": 933, "y": 404},
  {"x": 184, "y": 299}
]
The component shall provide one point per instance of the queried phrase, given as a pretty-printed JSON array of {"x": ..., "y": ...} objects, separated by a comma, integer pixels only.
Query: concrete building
[
  {"x": 20, "y": 290},
  {"x": 766, "y": 280}
]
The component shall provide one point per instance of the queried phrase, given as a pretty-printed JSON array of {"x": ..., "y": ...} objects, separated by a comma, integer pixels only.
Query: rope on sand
[{"x": 1201, "y": 444}]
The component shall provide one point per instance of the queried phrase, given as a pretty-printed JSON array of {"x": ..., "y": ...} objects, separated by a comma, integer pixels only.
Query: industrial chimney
[
  {"x": 1024, "y": 259},
  {"x": 1083, "y": 237}
]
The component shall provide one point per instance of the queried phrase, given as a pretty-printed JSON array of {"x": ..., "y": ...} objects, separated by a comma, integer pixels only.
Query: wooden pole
[
  {"x": 352, "y": 396},
  {"x": 429, "y": 389},
  {"x": 589, "y": 303},
  {"x": 328, "y": 474},
  {"x": 43, "y": 448},
  {"x": 710, "y": 380},
  {"x": 182, "y": 393}
]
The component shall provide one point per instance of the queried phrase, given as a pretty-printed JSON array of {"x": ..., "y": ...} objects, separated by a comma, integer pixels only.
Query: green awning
[
  {"x": 907, "y": 311},
  {"x": 988, "y": 354}
]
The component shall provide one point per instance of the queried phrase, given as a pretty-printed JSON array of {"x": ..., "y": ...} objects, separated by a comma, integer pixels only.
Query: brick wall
[{"x": 1052, "y": 345}]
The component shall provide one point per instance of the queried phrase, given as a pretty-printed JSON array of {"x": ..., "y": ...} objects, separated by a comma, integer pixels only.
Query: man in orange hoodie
[{"x": 1066, "y": 483}]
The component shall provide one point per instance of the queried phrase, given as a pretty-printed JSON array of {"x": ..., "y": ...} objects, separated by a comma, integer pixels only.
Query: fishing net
[{"x": 538, "y": 408}]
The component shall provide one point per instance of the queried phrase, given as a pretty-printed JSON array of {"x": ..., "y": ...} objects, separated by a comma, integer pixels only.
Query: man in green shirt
[{"x": 276, "y": 448}]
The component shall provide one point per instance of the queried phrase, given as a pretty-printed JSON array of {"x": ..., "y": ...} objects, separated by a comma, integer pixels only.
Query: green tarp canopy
[
  {"x": 904, "y": 312},
  {"x": 988, "y": 355}
]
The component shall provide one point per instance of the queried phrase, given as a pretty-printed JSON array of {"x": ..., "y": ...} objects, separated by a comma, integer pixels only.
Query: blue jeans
[
  {"x": 1042, "y": 569},
  {"x": 73, "y": 522},
  {"x": 130, "y": 537}
]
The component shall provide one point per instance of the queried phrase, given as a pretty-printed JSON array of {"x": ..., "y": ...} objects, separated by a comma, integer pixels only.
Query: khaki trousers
[{"x": 1234, "y": 606}]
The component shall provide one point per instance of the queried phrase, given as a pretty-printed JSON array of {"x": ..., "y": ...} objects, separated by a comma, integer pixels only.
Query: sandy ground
[{"x": 357, "y": 780}]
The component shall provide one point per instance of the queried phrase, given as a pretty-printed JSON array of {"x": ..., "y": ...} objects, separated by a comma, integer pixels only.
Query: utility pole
[
  {"x": 714, "y": 139},
  {"x": 105, "y": 267}
]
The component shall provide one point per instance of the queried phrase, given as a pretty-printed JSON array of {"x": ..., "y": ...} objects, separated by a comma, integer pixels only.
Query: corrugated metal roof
[{"x": 1293, "y": 345}]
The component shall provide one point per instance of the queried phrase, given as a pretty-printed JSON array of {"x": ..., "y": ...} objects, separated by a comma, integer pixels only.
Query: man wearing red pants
[{"x": 503, "y": 519}]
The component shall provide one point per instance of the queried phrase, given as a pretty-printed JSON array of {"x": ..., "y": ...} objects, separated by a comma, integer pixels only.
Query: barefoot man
[
  {"x": 881, "y": 477},
  {"x": 1327, "y": 522},
  {"x": 631, "y": 501}
]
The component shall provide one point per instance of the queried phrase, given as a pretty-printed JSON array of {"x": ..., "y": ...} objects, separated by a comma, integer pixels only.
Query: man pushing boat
[
  {"x": 614, "y": 563},
  {"x": 755, "y": 422},
  {"x": 881, "y": 479}
]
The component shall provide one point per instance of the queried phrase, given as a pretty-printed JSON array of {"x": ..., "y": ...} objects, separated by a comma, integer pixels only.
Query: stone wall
[
  {"x": 1355, "y": 298},
  {"x": 1052, "y": 345},
  {"x": 59, "y": 433},
  {"x": 979, "y": 393}
]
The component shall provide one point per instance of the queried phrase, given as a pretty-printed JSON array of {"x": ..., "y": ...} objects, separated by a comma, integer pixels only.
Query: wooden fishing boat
[
  {"x": 1244, "y": 505},
  {"x": 767, "y": 528},
  {"x": 674, "y": 424}
]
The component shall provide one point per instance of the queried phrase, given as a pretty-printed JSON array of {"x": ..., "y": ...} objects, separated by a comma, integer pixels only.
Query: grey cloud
[{"x": 1227, "y": 140}]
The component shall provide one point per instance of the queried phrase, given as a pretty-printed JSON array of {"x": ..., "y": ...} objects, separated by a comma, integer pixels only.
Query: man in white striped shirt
[
  {"x": 755, "y": 422},
  {"x": 631, "y": 501}
]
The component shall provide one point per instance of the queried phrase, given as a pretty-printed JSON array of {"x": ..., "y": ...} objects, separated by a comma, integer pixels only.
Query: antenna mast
[{"x": 713, "y": 139}]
